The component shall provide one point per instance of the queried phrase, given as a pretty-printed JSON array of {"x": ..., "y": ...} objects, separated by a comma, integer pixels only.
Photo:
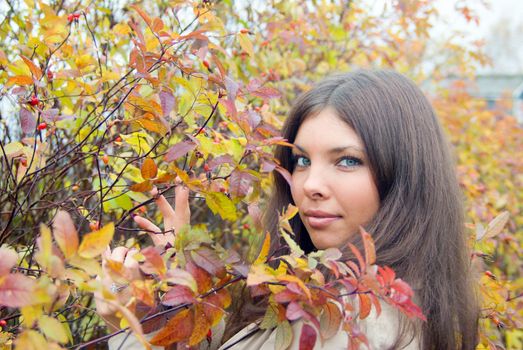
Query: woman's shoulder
[{"x": 381, "y": 331}]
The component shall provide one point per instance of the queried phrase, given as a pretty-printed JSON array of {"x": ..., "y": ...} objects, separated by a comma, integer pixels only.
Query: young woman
[{"x": 369, "y": 151}]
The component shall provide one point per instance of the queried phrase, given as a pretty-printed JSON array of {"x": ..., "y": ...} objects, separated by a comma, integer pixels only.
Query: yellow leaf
[
  {"x": 31, "y": 340},
  {"x": 246, "y": 43},
  {"x": 149, "y": 169},
  {"x": 264, "y": 252},
  {"x": 94, "y": 243},
  {"x": 221, "y": 204},
  {"x": 30, "y": 314},
  {"x": 53, "y": 329}
]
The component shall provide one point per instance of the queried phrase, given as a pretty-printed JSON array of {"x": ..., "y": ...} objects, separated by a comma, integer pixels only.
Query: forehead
[{"x": 326, "y": 129}]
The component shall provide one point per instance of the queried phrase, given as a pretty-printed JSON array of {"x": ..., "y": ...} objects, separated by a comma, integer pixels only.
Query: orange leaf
[
  {"x": 65, "y": 233},
  {"x": 144, "y": 15},
  {"x": 358, "y": 256},
  {"x": 153, "y": 124},
  {"x": 95, "y": 243},
  {"x": 143, "y": 186},
  {"x": 36, "y": 71},
  {"x": 330, "y": 320},
  {"x": 368, "y": 245},
  {"x": 365, "y": 305},
  {"x": 19, "y": 80},
  {"x": 149, "y": 169},
  {"x": 201, "y": 325},
  {"x": 178, "y": 328}
]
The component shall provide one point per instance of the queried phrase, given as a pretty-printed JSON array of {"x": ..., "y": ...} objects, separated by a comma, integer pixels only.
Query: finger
[
  {"x": 132, "y": 265},
  {"x": 166, "y": 209},
  {"x": 151, "y": 229},
  {"x": 183, "y": 211},
  {"x": 118, "y": 254}
]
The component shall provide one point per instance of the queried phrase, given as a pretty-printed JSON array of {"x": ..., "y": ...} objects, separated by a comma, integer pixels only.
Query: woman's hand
[
  {"x": 129, "y": 271},
  {"x": 173, "y": 219}
]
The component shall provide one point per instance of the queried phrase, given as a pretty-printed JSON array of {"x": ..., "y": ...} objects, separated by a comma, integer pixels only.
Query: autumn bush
[{"x": 100, "y": 103}]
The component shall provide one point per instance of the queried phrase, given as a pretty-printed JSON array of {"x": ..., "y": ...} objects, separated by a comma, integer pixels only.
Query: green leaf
[{"x": 283, "y": 336}]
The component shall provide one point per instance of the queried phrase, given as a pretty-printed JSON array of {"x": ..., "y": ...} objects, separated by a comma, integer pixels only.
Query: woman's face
[{"x": 332, "y": 184}]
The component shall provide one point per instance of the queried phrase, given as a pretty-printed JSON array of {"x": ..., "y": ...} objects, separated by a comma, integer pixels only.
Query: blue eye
[
  {"x": 301, "y": 161},
  {"x": 349, "y": 162}
]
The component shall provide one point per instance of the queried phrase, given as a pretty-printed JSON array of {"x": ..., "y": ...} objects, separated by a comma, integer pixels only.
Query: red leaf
[
  {"x": 223, "y": 159},
  {"x": 285, "y": 173},
  {"x": 202, "y": 277},
  {"x": 154, "y": 263},
  {"x": 178, "y": 295},
  {"x": 307, "y": 337},
  {"x": 266, "y": 93},
  {"x": 232, "y": 88},
  {"x": 179, "y": 150},
  {"x": 27, "y": 121},
  {"x": 167, "y": 102},
  {"x": 65, "y": 233},
  {"x": 208, "y": 260},
  {"x": 17, "y": 290},
  {"x": 8, "y": 259},
  {"x": 240, "y": 182},
  {"x": 294, "y": 311},
  {"x": 230, "y": 107}
]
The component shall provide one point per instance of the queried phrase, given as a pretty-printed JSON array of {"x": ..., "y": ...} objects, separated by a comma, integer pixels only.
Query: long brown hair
[{"x": 418, "y": 230}]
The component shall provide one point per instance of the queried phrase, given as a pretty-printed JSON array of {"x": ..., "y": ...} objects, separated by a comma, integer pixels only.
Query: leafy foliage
[{"x": 103, "y": 103}]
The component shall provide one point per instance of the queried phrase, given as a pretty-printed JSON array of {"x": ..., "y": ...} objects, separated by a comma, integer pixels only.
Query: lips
[{"x": 318, "y": 219}]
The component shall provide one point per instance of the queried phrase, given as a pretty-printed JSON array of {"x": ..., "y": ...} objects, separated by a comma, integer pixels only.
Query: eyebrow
[{"x": 335, "y": 150}]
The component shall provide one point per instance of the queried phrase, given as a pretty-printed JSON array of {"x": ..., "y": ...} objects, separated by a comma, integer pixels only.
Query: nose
[{"x": 315, "y": 185}]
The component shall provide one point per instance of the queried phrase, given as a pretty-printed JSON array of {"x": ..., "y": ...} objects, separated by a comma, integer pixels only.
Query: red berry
[
  {"x": 118, "y": 139},
  {"x": 207, "y": 168},
  {"x": 34, "y": 101},
  {"x": 3, "y": 323},
  {"x": 244, "y": 31},
  {"x": 246, "y": 226},
  {"x": 23, "y": 161},
  {"x": 209, "y": 334},
  {"x": 206, "y": 64},
  {"x": 94, "y": 225},
  {"x": 42, "y": 126},
  {"x": 105, "y": 159},
  {"x": 50, "y": 75},
  {"x": 76, "y": 15},
  {"x": 490, "y": 275},
  {"x": 70, "y": 17}
]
